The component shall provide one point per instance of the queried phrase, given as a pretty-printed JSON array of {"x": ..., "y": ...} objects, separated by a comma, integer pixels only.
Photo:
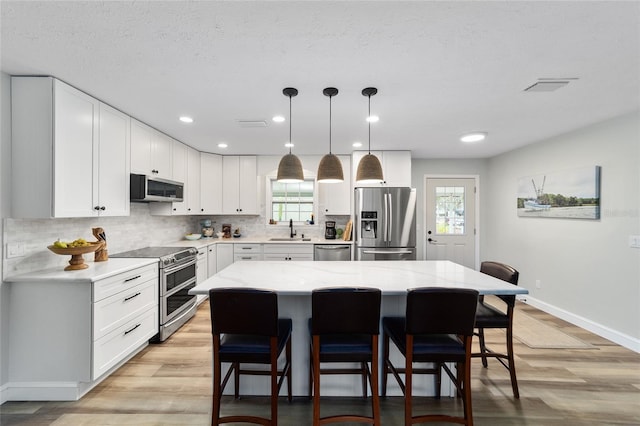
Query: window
[
  {"x": 449, "y": 210},
  {"x": 292, "y": 200}
]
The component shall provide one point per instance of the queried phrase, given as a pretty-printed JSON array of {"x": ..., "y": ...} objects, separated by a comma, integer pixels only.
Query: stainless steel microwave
[{"x": 146, "y": 189}]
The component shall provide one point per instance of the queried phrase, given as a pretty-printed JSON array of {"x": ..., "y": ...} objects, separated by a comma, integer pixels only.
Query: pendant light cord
[
  {"x": 330, "y": 124},
  {"x": 290, "y": 142},
  {"x": 369, "y": 121}
]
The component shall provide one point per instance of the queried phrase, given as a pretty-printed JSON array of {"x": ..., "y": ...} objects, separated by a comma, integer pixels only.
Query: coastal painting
[{"x": 572, "y": 194}]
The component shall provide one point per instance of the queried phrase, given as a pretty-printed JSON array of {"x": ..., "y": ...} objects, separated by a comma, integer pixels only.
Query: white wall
[
  {"x": 5, "y": 195},
  {"x": 589, "y": 275}
]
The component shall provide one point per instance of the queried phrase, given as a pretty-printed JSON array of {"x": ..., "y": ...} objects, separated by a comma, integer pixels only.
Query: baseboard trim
[
  {"x": 4, "y": 394},
  {"x": 615, "y": 336}
]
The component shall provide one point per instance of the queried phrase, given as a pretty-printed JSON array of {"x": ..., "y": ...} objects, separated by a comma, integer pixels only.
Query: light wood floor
[{"x": 170, "y": 384}]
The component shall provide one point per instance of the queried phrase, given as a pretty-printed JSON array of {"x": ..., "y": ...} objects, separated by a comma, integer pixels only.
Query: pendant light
[
  {"x": 330, "y": 167},
  {"x": 369, "y": 168},
  {"x": 290, "y": 167}
]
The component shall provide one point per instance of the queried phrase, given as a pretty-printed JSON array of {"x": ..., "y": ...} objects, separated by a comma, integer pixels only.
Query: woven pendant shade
[
  {"x": 369, "y": 170},
  {"x": 369, "y": 167},
  {"x": 330, "y": 169},
  {"x": 290, "y": 169}
]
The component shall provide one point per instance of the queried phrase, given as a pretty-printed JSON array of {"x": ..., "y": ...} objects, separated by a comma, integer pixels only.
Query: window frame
[{"x": 269, "y": 200}]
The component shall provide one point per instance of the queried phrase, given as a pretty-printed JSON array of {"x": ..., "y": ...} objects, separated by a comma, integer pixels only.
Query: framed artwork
[{"x": 570, "y": 194}]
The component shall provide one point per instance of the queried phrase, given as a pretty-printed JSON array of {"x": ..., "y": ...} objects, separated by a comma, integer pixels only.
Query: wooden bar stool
[
  {"x": 488, "y": 316},
  {"x": 344, "y": 327},
  {"x": 437, "y": 328},
  {"x": 246, "y": 329}
]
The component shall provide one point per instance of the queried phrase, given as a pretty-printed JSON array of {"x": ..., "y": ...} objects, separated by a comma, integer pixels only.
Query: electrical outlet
[
  {"x": 538, "y": 284},
  {"x": 15, "y": 250},
  {"x": 634, "y": 241}
]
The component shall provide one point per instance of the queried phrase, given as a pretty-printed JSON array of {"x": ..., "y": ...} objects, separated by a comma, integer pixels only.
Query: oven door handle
[
  {"x": 174, "y": 290},
  {"x": 179, "y": 266}
]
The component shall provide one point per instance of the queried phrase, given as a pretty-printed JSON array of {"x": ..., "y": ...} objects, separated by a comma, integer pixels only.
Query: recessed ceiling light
[
  {"x": 373, "y": 119},
  {"x": 222, "y": 145},
  {"x": 474, "y": 137},
  {"x": 278, "y": 119},
  {"x": 357, "y": 144},
  {"x": 289, "y": 145},
  {"x": 186, "y": 119}
]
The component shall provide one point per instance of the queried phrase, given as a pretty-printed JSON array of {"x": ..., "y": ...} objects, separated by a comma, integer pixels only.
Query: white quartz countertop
[
  {"x": 96, "y": 271},
  {"x": 392, "y": 277},
  {"x": 203, "y": 242}
]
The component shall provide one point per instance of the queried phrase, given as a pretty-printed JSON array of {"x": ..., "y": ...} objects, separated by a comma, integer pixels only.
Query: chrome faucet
[{"x": 291, "y": 233}]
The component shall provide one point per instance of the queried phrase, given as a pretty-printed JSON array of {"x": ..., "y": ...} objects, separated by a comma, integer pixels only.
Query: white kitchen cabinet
[
  {"x": 210, "y": 183},
  {"x": 247, "y": 251},
  {"x": 65, "y": 336},
  {"x": 396, "y": 167},
  {"x": 202, "y": 265},
  {"x": 75, "y": 161},
  {"x": 192, "y": 185},
  {"x": 239, "y": 185},
  {"x": 288, "y": 252},
  {"x": 224, "y": 256},
  {"x": 335, "y": 198},
  {"x": 212, "y": 260},
  {"x": 150, "y": 151}
]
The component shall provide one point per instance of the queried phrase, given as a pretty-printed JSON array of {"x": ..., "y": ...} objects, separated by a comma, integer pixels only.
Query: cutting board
[{"x": 346, "y": 235}]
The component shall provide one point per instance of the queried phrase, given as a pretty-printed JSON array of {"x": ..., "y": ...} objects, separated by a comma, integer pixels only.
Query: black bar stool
[
  {"x": 437, "y": 328},
  {"x": 488, "y": 316},
  {"x": 252, "y": 333},
  {"x": 344, "y": 327}
]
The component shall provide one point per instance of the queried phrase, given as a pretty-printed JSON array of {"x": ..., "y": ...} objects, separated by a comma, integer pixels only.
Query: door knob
[{"x": 431, "y": 240}]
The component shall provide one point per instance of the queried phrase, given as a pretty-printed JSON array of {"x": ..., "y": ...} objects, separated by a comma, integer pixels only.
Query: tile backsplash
[{"x": 140, "y": 229}]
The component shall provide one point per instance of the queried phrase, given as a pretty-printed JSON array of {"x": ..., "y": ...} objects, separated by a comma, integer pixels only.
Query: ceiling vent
[
  {"x": 546, "y": 86},
  {"x": 252, "y": 123}
]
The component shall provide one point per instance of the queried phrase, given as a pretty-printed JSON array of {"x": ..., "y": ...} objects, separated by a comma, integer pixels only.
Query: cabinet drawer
[
  {"x": 117, "y": 345},
  {"x": 247, "y": 248},
  {"x": 112, "y": 312},
  {"x": 247, "y": 256},
  {"x": 289, "y": 249},
  {"x": 117, "y": 283}
]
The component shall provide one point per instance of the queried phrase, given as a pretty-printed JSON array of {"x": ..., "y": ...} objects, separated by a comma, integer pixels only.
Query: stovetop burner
[{"x": 167, "y": 255}]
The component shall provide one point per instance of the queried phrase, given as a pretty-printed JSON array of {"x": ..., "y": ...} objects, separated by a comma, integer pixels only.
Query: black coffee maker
[{"x": 330, "y": 230}]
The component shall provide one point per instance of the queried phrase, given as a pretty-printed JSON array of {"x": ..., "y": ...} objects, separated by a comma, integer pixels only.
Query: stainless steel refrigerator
[{"x": 385, "y": 223}]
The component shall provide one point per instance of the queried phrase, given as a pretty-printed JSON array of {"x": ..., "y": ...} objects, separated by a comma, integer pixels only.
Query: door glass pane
[{"x": 449, "y": 210}]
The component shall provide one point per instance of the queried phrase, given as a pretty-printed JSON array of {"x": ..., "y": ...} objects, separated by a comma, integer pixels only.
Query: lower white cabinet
[
  {"x": 202, "y": 269},
  {"x": 224, "y": 256},
  {"x": 212, "y": 260},
  {"x": 250, "y": 251},
  {"x": 66, "y": 335},
  {"x": 288, "y": 252}
]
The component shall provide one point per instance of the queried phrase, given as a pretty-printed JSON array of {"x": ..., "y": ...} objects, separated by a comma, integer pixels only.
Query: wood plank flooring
[{"x": 170, "y": 384}]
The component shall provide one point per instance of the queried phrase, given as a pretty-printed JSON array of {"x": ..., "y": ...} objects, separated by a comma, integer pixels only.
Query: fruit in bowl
[
  {"x": 76, "y": 249},
  {"x": 193, "y": 237}
]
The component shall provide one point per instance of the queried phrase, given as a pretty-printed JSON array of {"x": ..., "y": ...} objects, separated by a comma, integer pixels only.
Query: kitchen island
[{"x": 294, "y": 282}]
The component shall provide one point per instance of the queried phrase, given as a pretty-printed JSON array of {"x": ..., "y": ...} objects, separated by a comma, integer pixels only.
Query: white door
[{"x": 451, "y": 220}]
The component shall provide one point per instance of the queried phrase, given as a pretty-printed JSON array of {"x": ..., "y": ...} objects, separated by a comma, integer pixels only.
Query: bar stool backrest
[
  {"x": 503, "y": 272},
  {"x": 345, "y": 310},
  {"x": 244, "y": 311},
  {"x": 434, "y": 310}
]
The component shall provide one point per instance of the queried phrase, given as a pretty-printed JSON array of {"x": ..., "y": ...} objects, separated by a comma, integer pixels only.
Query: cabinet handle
[
  {"x": 129, "y": 331},
  {"x": 103, "y": 208},
  {"x": 245, "y": 248},
  {"x": 245, "y": 258},
  {"x": 96, "y": 208},
  {"x": 132, "y": 278},
  {"x": 131, "y": 297}
]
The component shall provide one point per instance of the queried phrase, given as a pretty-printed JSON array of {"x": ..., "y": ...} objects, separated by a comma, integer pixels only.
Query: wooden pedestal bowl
[{"x": 77, "y": 261}]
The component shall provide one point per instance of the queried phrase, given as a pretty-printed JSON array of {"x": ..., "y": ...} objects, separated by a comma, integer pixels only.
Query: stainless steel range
[{"x": 177, "y": 276}]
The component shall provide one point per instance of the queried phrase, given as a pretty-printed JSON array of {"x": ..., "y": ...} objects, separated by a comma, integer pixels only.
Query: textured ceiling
[{"x": 442, "y": 68}]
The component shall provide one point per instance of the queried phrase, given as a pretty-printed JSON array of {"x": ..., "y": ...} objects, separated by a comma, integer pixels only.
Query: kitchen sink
[{"x": 289, "y": 239}]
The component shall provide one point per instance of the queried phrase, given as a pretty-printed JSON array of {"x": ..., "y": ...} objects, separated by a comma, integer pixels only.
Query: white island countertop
[{"x": 392, "y": 277}]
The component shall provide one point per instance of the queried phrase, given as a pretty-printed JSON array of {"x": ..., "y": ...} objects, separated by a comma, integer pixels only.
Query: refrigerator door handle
[
  {"x": 385, "y": 222},
  {"x": 390, "y": 217}
]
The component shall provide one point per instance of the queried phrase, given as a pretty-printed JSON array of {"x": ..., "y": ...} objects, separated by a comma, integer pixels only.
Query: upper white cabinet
[
  {"x": 240, "y": 185},
  {"x": 335, "y": 198},
  {"x": 150, "y": 151},
  {"x": 70, "y": 152},
  {"x": 396, "y": 167},
  {"x": 192, "y": 185},
  {"x": 210, "y": 183}
]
